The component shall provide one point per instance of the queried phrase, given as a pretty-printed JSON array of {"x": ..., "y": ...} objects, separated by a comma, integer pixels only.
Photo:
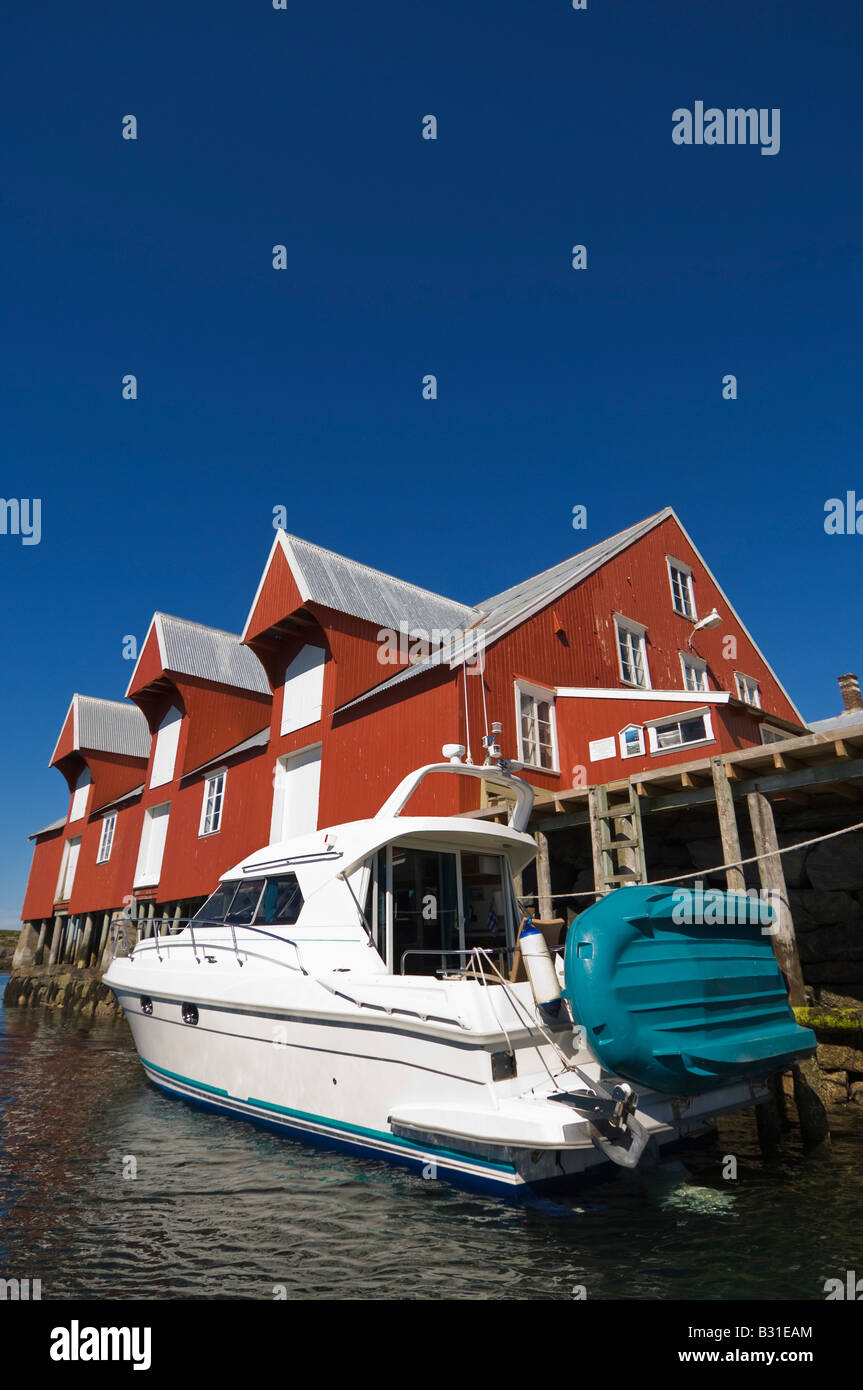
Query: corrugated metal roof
[
  {"x": 538, "y": 589},
  {"x": 55, "y": 825},
  {"x": 505, "y": 610},
  {"x": 349, "y": 587},
  {"x": 110, "y": 726},
  {"x": 191, "y": 649},
  {"x": 259, "y": 740}
]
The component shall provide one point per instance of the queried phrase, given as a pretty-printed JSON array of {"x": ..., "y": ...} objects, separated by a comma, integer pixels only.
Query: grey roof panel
[
  {"x": 502, "y": 605},
  {"x": 349, "y": 587},
  {"x": 503, "y": 609},
  {"x": 55, "y": 825},
  {"x": 191, "y": 649},
  {"x": 111, "y": 726}
]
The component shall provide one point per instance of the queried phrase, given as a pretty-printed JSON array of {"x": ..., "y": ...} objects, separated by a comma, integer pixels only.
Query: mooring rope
[{"x": 702, "y": 873}]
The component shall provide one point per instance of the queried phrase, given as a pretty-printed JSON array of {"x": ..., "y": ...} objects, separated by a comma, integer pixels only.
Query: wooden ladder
[{"x": 616, "y": 837}]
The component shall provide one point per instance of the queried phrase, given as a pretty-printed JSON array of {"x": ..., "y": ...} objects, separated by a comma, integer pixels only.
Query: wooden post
[
  {"x": 82, "y": 955},
  {"x": 593, "y": 801},
  {"x": 543, "y": 878},
  {"x": 56, "y": 940},
  {"x": 40, "y": 944},
  {"x": 735, "y": 880},
  {"x": 808, "y": 1088},
  {"x": 772, "y": 877}
]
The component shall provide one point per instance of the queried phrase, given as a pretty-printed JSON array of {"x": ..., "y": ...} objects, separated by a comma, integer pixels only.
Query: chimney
[{"x": 851, "y": 696}]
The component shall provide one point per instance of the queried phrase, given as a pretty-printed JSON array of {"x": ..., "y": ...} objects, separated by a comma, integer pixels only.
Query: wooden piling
[{"x": 735, "y": 881}]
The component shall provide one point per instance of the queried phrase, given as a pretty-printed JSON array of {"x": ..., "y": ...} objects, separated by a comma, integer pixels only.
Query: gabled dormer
[{"x": 102, "y": 751}]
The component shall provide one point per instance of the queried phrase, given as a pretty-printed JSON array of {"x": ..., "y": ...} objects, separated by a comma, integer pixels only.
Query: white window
[
  {"x": 682, "y": 594},
  {"x": 106, "y": 839},
  {"x": 681, "y": 731},
  {"x": 632, "y": 652},
  {"x": 165, "y": 752},
  {"x": 295, "y": 798},
  {"x": 537, "y": 728},
  {"x": 631, "y": 741},
  {"x": 770, "y": 734},
  {"x": 303, "y": 692},
  {"x": 214, "y": 797},
  {"x": 80, "y": 795},
  {"x": 69, "y": 864},
  {"x": 694, "y": 672},
  {"x": 748, "y": 689},
  {"x": 153, "y": 835}
]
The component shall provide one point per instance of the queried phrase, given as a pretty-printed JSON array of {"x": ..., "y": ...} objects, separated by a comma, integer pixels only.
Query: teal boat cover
[{"x": 679, "y": 990}]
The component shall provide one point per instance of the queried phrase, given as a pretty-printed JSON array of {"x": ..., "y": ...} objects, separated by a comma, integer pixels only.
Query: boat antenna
[{"x": 469, "y": 758}]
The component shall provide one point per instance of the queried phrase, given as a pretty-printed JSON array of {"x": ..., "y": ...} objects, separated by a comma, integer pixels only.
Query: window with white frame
[
  {"x": 106, "y": 839},
  {"x": 680, "y": 731},
  {"x": 631, "y": 741},
  {"x": 211, "y": 809},
  {"x": 632, "y": 652},
  {"x": 682, "y": 593},
  {"x": 69, "y": 864},
  {"x": 748, "y": 689},
  {"x": 694, "y": 672},
  {"x": 770, "y": 734},
  {"x": 537, "y": 731}
]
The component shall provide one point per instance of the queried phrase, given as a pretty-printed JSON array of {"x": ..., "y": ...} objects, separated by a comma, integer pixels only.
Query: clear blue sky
[{"x": 405, "y": 257}]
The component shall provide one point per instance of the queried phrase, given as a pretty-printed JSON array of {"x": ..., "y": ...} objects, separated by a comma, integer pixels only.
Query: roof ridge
[
  {"x": 383, "y": 574},
  {"x": 579, "y": 554},
  {"x": 204, "y": 627}
]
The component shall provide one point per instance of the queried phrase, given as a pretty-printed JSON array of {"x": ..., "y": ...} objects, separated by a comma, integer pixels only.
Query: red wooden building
[{"x": 626, "y": 656}]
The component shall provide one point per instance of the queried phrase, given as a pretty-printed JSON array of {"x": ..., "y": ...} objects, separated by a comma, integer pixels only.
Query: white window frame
[
  {"x": 637, "y": 633},
  {"x": 634, "y": 752},
  {"x": 537, "y": 693},
  {"x": 685, "y": 572},
  {"x": 106, "y": 838},
  {"x": 218, "y": 804},
  {"x": 654, "y": 725},
  {"x": 696, "y": 664},
  {"x": 779, "y": 734},
  {"x": 742, "y": 689}
]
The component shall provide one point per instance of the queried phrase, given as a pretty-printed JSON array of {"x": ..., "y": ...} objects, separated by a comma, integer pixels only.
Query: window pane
[{"x": 244, "y": 904}]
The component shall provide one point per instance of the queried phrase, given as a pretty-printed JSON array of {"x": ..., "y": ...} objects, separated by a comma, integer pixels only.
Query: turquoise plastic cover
[{"x": 679, "y": 991}]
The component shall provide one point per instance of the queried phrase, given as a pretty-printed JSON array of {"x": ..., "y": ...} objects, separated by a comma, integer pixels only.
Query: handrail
[{"x": 155, "y": 942}]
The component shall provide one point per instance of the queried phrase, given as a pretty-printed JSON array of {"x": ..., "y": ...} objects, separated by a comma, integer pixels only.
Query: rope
[{"x": 702, "y": 873}]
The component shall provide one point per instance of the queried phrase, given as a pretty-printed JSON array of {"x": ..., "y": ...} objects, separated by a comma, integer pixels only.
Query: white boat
[{"x": 362, "y": 987}]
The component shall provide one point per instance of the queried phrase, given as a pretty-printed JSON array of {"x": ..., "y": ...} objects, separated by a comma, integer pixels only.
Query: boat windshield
[{"x": 262, "y": 902}]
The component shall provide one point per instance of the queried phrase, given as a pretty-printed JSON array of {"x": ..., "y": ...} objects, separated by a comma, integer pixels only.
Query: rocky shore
[{"x": 74, "y": 990}]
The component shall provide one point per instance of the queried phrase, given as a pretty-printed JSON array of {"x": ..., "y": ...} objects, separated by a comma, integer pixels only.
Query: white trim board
[{"x": 590, "y": 692}]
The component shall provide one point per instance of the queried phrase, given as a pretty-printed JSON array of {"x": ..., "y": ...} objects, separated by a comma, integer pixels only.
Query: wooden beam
[
  {"x": 840, "y": 748},
  {"x": 783, "y": 763}
]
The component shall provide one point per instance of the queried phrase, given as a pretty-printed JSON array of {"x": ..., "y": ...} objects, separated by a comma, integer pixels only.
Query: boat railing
[
  {"x": 467, "y": 955},
  {"x": 163, "y": 937}
]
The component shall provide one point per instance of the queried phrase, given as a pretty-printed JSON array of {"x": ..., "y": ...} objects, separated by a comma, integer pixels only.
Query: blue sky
[{"x": 302, "y": 387}]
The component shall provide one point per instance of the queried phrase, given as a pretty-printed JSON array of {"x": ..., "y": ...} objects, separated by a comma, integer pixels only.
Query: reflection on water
[{"x": 219, "y": 1209}]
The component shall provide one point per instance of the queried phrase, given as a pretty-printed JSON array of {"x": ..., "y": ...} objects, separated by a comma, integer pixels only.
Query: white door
[
  {"x": 303, "y": 691},
  {"x": 295, "y": 800},
  {"x": 153, "y": 835},
  {"x": 165, "y": 755},
  {"x": 80, "y": 794},
  {"x": 67, "y": 870}
]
